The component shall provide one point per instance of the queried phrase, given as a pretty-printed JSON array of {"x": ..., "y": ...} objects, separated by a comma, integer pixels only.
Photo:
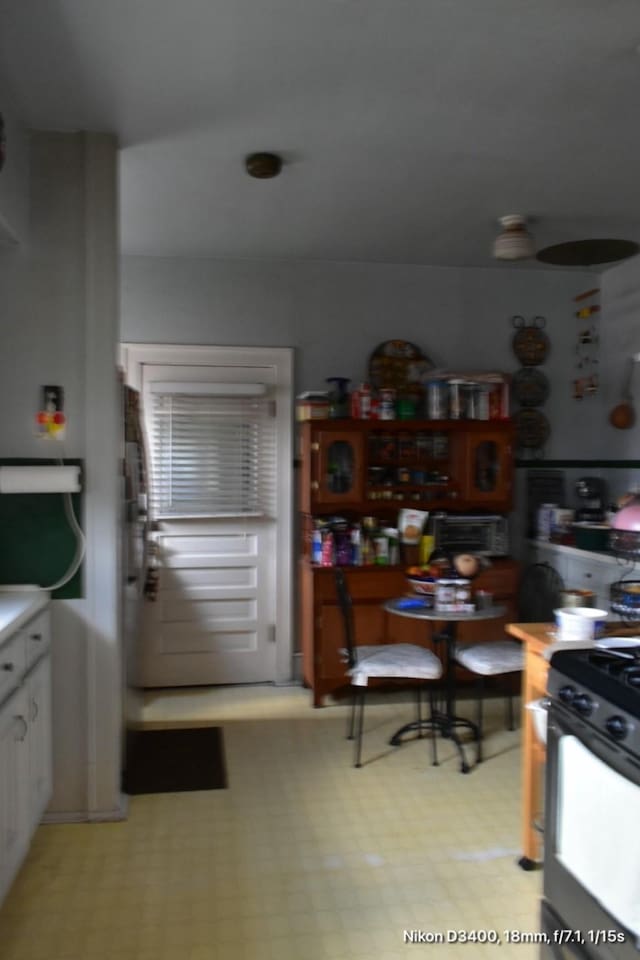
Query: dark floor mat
[{"x": 168, "y": 761}]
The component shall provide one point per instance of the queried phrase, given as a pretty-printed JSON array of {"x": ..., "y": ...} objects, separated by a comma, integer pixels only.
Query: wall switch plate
[{"x": 52, "y": 399}]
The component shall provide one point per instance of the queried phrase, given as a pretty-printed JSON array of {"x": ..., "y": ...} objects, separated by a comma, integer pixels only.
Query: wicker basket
[{"x": 625, "y": 598}]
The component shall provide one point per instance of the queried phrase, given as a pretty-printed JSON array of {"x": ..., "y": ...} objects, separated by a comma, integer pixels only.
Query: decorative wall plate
[
  {"x": 532, "y": 428},
  {"x": 530, "y": 387},
  {"x": 397, "y": 364},
  {"x": 530, "y": 342}
]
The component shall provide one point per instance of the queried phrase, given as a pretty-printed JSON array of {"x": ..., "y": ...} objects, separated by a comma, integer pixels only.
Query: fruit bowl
[{"x": 424, "y": 585}]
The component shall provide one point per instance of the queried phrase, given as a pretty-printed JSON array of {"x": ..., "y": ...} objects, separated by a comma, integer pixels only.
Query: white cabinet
[
  {"x": 25, "y": 738},
  {"x": 14, "y": 787}
]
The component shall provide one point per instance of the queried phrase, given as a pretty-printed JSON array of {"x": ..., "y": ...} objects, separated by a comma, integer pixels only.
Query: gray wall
[
  {"x": 60, "y": 326},
  {"x": 336, "y": 314}
]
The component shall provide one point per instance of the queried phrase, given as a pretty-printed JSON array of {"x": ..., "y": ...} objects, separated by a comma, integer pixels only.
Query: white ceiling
[{"x": 406, "y": 126}]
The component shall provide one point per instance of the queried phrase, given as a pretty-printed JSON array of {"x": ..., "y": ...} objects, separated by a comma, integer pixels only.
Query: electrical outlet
[{"x": 50, "y": 420}]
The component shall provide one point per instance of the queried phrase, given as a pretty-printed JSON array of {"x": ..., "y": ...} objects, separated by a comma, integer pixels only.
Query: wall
[
  {"x": 59, "y": 304},
  {"x": 336, "y": 314},
  {"x": 14, "y": 178}
]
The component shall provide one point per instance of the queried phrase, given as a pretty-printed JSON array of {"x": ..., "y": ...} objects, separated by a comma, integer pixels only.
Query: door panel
[{"x": 213, "y": 619}]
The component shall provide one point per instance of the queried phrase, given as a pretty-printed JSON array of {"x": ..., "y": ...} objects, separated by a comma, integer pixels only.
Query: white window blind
[{"x": 210, "y": 455}]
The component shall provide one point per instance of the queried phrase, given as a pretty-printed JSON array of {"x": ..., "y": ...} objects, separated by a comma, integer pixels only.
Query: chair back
[
  {"x": 539, "y": 593},
  {"x": 346, "y": 608}
]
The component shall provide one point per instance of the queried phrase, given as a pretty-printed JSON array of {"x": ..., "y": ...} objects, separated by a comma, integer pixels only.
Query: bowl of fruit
[{"x": 422, "y": 579}]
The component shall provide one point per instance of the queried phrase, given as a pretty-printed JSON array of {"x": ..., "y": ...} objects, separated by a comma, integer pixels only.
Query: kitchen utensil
[
  {"x": 530, "y": 342},
  {"x": 623, "y": 415}
]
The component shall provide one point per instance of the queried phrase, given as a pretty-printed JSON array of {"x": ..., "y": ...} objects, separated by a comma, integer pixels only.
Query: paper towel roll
[{"x": 40, "y": 479}]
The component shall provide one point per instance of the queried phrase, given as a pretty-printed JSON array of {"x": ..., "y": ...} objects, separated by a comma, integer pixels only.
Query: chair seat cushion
[
  {"x": 394, "y": 660},
  {"x": 492, "y": 658}
]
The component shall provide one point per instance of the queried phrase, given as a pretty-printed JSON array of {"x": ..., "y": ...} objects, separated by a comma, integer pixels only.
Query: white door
[{"x": 220, "y": 614}]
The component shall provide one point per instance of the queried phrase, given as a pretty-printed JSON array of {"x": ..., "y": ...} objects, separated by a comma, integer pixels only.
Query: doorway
[{"x": 221, "y": 610}]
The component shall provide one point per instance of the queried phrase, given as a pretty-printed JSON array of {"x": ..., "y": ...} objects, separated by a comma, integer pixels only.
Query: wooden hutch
[{"x": 358, "y": 468}]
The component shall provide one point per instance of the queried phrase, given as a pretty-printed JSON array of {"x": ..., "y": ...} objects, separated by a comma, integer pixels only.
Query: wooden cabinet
[
  {"x": 373, "y": 465},
  {"x": 357, "y": 468},
  {"x": 25, "y": 736},
  {"x": 323, "y": 633}
]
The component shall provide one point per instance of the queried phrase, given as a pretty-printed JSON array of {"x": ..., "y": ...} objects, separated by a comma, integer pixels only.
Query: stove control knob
[
  {"x": 617, "y": 727},
  {"x": 583, "y": 704},
  {"x": 567, "y": 693}
]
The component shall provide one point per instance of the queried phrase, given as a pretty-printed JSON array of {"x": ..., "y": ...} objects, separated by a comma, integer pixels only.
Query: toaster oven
[{"x": 484, "y": 534}]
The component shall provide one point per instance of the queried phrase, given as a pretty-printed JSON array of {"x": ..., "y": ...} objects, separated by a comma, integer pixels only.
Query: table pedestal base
[{"x": 446, "y": 726}]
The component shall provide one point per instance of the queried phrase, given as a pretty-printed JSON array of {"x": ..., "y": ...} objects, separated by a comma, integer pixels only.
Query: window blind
[{"x": 211, "y": 455}]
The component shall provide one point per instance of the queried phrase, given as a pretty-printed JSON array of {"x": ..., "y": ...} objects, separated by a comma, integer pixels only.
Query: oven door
[{"x": 592, "y": 846}]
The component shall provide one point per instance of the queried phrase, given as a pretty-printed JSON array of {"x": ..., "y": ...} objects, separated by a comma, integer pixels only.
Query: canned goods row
[
  {"x": 408, "y": 446},
  {"x": 389, "y": 476},
  {"x": 458, "y": 399}
]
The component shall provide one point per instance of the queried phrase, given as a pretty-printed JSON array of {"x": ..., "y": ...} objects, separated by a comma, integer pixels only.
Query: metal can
[{"x": 437, "y": 400}]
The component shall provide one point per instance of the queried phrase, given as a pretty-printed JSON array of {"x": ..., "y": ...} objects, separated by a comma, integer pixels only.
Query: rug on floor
[{"x": 175, "y": 760}]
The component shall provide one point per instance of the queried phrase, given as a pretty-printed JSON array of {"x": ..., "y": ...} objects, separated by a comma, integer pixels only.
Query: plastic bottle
[{"x": 316, "y": 546}]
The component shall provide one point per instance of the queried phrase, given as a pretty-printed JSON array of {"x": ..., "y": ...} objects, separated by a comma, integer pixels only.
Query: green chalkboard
[{"x": 37, "y": 544}]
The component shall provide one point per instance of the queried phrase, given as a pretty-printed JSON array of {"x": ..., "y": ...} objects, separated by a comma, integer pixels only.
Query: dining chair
[
  {"x": 383, "y": 661},
  {"x": 493, "y": 658}
]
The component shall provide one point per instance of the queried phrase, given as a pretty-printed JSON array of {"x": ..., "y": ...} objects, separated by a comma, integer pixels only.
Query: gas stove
[{"x": 601, "y": 687}]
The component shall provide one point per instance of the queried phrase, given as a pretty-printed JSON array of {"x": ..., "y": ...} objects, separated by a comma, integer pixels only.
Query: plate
[
  {"x": 532, "y": 428},
  {"x": 607, "y": 642},
  {"x": 397, "y": 364},
  {"x": 530, "y": 387}
]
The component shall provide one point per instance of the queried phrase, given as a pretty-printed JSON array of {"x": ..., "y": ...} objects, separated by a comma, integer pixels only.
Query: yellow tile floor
[{"x": 301, "y": 858}]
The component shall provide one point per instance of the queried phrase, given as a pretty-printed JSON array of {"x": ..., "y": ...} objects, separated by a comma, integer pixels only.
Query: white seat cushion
[
  {"x": 394, "y": 660},
  {"x": 491, "y": 659}
]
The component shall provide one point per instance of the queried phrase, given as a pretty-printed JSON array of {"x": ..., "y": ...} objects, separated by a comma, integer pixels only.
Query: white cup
[{"x": 579, "y": 624}]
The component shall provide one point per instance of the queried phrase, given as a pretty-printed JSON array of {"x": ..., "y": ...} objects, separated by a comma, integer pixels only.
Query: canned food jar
[
  {"x": 437, "y": 398},
  {"x": 456, "y": 399},
  {"x": 545, "y": 520},
  {"x": 387, "y": 404}
]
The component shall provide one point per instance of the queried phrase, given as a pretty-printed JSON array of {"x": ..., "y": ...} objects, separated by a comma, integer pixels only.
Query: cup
[{"x": 484, "y": 599}]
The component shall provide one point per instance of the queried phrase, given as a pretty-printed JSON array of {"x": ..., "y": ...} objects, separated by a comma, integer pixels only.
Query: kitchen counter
[
  {"x": 18, "y": 606},
  {"x": 539, "y": 640},
  {"x": 562, "y": 549}
]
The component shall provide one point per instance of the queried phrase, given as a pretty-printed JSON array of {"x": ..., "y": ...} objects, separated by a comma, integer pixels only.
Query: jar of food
[
  {"x": 437, "y": 400},
  {"x": 456, "y": 399}
]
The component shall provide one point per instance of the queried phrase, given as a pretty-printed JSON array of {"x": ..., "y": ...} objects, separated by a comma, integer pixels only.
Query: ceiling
[{"x": 406, "y": 126}]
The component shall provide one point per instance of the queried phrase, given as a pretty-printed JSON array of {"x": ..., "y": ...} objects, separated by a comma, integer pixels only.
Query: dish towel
[{"x": 598, "y": 832}]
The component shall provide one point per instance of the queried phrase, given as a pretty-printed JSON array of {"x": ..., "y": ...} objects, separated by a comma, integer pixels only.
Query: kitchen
[{"x": 455, "y": 313}]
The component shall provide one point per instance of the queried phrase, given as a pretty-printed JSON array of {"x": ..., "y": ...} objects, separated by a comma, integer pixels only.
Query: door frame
[{"x": 280, "y": 360}]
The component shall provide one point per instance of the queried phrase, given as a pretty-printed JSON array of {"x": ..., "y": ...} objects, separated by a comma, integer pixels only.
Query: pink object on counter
[{"x": 628, "y": 518}]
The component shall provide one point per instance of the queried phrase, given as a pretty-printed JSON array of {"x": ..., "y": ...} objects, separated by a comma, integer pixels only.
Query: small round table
[{"x": 445, "y": 721}]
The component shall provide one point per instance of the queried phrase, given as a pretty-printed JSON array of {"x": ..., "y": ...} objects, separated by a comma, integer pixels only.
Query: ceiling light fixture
[
  {"x": 263, "y": 165},
  {"x": 514, "y": 241}
]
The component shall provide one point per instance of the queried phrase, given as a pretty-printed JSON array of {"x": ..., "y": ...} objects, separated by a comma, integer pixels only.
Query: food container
[
  {"x": 577, "y": 598},
  {"x": 453, "y": 596},
  {"x": 437, "y": 400},
  {"x": 591, "y": 536},
  {"x": 579, "y": 624}
]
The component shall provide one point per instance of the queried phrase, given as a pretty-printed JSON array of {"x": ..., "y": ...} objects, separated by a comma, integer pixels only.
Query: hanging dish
[
  {"x": 530, "y": 342},
  {"x": 397, "y": 364},
  {"x": 532, "y": 428},
  {"x": 530, "y": 387}
]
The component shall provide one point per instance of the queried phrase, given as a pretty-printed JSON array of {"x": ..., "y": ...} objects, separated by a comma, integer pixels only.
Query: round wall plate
[
  {"x": 530, "y": 342},
  {"x": 532, "y": 428},
  {"x": 530, "y": 387},
  {"x": 397, "y": 364}
]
